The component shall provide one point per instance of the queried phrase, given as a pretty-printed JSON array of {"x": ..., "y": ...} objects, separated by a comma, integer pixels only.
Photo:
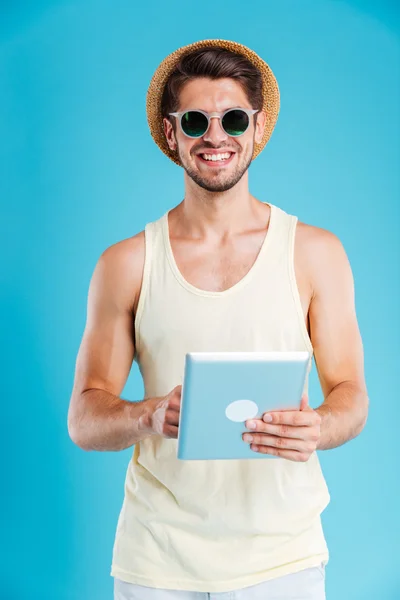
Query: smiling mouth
[{"x": 216, "y": 160}]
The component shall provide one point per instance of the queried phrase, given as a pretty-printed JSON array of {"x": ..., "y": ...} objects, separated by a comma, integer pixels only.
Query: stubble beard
[{"x": 217, "y": 186}]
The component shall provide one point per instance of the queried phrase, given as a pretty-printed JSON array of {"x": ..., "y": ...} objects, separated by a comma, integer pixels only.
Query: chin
[{"x": 216, "y": 186}]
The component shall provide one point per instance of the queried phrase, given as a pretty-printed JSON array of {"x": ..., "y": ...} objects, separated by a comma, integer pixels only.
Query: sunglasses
[{"x": 195, "y": 123}]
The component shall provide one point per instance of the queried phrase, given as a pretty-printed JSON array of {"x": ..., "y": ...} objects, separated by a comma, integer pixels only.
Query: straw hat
[{"x": 160, "y": 77}]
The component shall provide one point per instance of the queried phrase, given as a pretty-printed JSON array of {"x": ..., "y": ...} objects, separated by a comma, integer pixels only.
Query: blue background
[{"x": 77, "y": 173}]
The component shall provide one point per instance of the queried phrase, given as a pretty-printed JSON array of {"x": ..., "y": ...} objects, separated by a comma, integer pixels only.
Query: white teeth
[{"x": 215, "y": 157}]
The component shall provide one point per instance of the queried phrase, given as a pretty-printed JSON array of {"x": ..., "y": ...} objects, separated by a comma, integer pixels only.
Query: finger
[
  {"x": 177, "y": 391},
  {"x": 299, "y": 418},
  {"x": 293, "y": 455},
  {"x": 174, "y": 402},
  {"x": 261, "y": 439},
  {"x": 289, "y": 431},
  {"x": 170, "y": 431},
  {"x": 172, "y": 417}
]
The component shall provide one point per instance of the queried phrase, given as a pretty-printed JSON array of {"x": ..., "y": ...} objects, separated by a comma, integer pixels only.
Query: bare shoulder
[
  {"x": 312, "y": 238},
  {"x": 120, "y": 269},
  {"x": 126, "y": 253},
  {"x": 321, "y": 254}
]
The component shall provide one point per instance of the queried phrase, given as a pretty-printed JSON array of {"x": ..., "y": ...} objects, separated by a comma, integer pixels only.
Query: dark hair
[{"x": 215, "y": 63}]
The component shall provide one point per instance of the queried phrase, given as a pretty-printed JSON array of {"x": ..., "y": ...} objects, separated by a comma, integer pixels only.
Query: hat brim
[{"x": 270, "y": 92}]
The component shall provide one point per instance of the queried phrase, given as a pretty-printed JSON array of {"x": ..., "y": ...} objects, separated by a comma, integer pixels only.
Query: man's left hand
[{"x": 290, "y": 434}]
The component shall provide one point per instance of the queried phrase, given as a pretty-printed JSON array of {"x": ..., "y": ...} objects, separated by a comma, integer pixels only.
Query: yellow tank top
[{"x": 216, "y": 526}]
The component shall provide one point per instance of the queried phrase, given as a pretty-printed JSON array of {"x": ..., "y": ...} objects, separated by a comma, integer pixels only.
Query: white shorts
[{"x": 308, "y": 584}]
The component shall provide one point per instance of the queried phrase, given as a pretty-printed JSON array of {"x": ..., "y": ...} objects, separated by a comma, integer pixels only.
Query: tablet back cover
[{"x": 222, "y": 391}]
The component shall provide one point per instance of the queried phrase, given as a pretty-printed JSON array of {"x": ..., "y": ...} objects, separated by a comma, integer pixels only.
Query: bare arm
[
  {"x": 98, "y": 419},
  {"x": 338, "y": 353},
  {"x": 337, "y": 343}
]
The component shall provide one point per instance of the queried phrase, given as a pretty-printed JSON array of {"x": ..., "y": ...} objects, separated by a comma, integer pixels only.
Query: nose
[{"x": 215, "y": 133}]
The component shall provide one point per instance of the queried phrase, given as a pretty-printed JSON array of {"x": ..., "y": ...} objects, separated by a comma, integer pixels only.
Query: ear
[
  {"x": 260, "y": 126},
  {"x": 169, "y": 134}
]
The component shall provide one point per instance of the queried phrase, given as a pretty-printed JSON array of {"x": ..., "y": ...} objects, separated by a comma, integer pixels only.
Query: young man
[{"x": 221, "y": 271}]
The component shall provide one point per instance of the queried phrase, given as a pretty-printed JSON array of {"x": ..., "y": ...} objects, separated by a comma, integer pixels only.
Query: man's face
[{"x": 214, "y": 96}]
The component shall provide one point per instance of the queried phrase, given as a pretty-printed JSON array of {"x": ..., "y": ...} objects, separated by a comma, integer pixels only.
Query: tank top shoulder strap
[
  {"x": 283, "y": 225},
  {"x": 281, "y": 233},
  {"x": 154, "y": 253},
  {"x": 288, "y": 227},
  {"x": 285, "y": 232}
]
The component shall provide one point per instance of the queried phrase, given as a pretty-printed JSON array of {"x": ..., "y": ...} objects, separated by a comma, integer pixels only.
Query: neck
[{"x": 206, "y": 213}]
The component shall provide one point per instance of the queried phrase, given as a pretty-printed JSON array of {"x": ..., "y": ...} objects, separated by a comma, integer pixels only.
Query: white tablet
[{"x": 222, "y": 390}]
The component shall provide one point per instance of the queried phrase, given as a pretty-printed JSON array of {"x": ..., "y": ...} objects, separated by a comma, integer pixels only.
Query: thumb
[
  {"x": 177, "y": 392},
  {"x": 304, "y": 402}
]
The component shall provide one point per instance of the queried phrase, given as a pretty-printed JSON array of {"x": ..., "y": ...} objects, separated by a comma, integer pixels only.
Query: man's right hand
[{"x": 163, "y": 414}]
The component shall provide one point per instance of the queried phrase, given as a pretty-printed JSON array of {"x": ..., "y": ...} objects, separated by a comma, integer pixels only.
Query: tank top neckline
[{"x": 238, "y": 285}]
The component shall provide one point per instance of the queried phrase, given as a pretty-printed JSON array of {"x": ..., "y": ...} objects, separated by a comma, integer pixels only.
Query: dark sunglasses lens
[
  {"x": 235, "y": 122},
  {"x": 194, "y": 123}
]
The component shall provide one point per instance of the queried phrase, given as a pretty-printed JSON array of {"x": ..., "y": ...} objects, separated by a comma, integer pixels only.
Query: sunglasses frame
[{"x": 214, "y": 115}]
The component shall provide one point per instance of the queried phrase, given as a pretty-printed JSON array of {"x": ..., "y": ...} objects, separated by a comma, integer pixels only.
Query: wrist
[{"x": 145, "y": 420}]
